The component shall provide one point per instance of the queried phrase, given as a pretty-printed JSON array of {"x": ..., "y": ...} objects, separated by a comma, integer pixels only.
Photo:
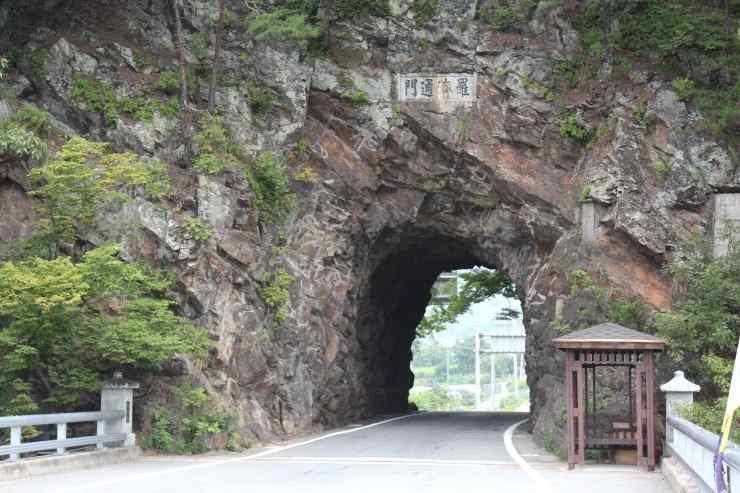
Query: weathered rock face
[{"x": 405, "y": 191}]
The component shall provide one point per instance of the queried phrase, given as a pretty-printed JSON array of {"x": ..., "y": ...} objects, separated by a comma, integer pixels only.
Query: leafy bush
[
  {"x": 355, "y": 96},
  {"x": 198, "y": 44},
  {"x": 187, "y": 431},
  {"x": 284, "y": 24},
  {"x": 661, "y": 168},
  {"x": 709, "y": 415},
  {"x": 32, "y": 118},
  {"x": 440, "y": 399},
  {"x": 4, "y": 64},
  {"x": 639, "y": 114},
  {"x": 19, "y": 141},
  {"x": 217, "y": 151},
  {"x": 99, "y": 97},
  {"x": 502, "y": 19},
  {"x": 269, "y": 180},
  {"x": 684, "y": 88},
  {"x": 307, "y": 175},
  {"x": 82, "y": 177},
  {"x": 196, "y": 229},
  {"x": 66, "y": 324},
  {"x": 572, "y": 128},
  {"x": 424, "y": 11},
  {"x": 260, "y": 100},
  {"x": 276, "y": 294},
  {"x": 169, "y": 82}
]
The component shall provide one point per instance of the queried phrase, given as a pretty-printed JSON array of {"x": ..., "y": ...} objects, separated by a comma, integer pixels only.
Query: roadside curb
[
  {"x": 39, "y": 466},
  {"x": 677, "y": 476}
]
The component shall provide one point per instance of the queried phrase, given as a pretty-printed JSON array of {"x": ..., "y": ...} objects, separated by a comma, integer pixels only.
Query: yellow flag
[{"x": 733, "y": 402}]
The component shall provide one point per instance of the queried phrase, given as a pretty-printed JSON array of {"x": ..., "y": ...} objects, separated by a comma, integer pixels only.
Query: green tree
[
  {"x": 64, "y": 325},
  {"x": 477, "y": 286},
  {"x": 702, "y": 331}
]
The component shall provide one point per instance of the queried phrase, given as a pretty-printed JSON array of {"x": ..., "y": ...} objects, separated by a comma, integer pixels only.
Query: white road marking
[
  {"x": 542, "y": 485},
  {"x": 203, "y": 465}
]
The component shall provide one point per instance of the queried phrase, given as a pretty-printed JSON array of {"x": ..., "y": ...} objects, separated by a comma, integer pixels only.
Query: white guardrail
[
  {"x": 114, "y": 424},
  {"x": 695, "y": 447},
  {"x": 16, "y": 424}
]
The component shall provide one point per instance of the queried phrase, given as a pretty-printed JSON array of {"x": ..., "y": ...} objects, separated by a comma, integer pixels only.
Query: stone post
[
  {"x": 678, "y": 392},
  {"x": 118, "y": 395}
]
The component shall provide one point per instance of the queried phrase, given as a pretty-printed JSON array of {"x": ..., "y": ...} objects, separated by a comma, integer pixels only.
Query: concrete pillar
[
  {"x": 726, "y": 221},
  {"x": 678, "y": 392},
  {"x": 118, "y": 395}
]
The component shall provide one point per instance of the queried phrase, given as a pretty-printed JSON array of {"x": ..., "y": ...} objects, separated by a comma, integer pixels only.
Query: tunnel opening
[
  {"x": 468, "y": 354},
  {"x": 396, "y": 297}
]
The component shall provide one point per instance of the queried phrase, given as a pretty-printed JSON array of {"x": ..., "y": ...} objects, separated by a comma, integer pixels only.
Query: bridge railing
[
  {"x": 692, "y": 445},
  {"x": 114, "y": 424},
  {"x": 695, "y": 448}
]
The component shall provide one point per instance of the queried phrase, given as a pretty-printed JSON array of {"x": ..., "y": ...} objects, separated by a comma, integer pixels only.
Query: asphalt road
[{"x": 430, "y": 453}]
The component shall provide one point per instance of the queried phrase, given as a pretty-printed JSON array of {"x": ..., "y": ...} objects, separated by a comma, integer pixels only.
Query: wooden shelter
[{"x": 614, "y": 346}]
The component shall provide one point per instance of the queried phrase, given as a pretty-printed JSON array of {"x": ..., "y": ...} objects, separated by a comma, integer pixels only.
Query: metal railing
[
  {"x": 695, "y": 448},
  {"x": 100, "y": 439}
]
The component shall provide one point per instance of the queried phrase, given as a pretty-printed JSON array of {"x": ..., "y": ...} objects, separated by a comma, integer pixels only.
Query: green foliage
[
  {"x": 580, "y": 280},
  {"x": 82, "y": 177},
  {"x": 565, "y": 71},
  {"x": 463, "y": 128},
  {"x": 537, "y": 88},
  {"x": 196, "y": 229},
  {"x": 424, "y": 11},
  {"x": 186, "y": 430},
  {"x": 585, "y": 193},
  {"x": 4, "y": 64},
  {"x": 99, "y": 97},
  {"x": 355, "y": 96},
  {"x": 477, "y": 286},
  {"x": 639, "y": 114},
  {"x": 306, "y": 175},
  {"x": 709, "y": 415},
  {"x": 36, "y": 59},
  {"x": 661, "y": 168},
  {"x": 684, "y": 88},
  {"x": 572, "y": 128},
  {"x": 503, "y": 19},
  {"x": 667, "y": 28},
  {"x": 439, "y": 399},
  {"x": 703, "y": 329},
  {"x": 198, "y": 45},
  {"x": 303, "y": 147},
  {"x": 260, "y": 100},
  {"x": 268, "y": 178},
  {"x": 349, "y": 9},
  {"x": 32, "y": 118},
  {"x": 19, "y": 141},
  {"x": 276, "y": 294},
  {"x": 169, "y": 82},
  {"x": 284, "y": 24},
  {"x": 217, "y": 150},
  {"x": 63, "y": 325}
]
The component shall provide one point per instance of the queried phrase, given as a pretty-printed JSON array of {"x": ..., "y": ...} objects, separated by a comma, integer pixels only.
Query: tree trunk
[
  {"x": 216, "y": 57},
  {"x": 187, "y": 117}
]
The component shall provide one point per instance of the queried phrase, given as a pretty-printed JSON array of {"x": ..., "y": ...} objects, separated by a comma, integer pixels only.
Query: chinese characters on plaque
[{"x": 441, "y": 88}]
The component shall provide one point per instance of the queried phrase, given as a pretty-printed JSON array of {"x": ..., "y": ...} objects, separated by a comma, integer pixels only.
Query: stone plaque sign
[{"x": 440, "y": 88}]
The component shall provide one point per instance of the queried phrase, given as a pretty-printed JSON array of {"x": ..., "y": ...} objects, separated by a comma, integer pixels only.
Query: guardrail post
[
  {"x": 118, "y": 395},
  {"x": 678, "y": 392},
  {"x": 15, "y": 440},
  {"x": 61, "y": 435}
]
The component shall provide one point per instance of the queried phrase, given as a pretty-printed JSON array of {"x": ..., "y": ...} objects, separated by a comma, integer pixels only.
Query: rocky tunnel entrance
[{"x": 398, "y": 292}]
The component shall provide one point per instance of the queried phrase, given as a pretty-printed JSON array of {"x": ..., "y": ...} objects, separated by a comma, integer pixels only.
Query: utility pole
[
  {"x": 516, "y": 374},
  {"x": 493, "y": 381},
  {"x": 447, "y": 368},
  {"x": 477, "y": 368}
]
